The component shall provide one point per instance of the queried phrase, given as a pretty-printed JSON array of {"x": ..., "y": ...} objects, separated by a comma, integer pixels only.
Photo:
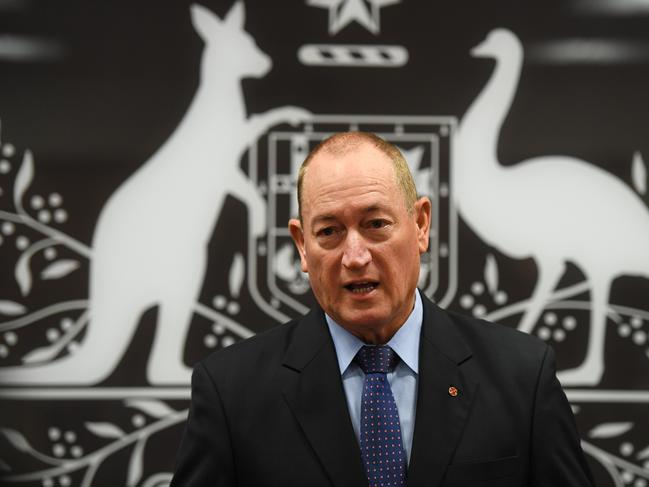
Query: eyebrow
[
  {"x": 322, "y": 219},
  {"x": 327, "y": 217}
]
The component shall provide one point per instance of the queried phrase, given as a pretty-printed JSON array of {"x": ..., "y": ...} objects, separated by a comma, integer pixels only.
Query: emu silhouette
[
  {"x": 150, "y": 242},
  {"x": 555, "y": 209}
]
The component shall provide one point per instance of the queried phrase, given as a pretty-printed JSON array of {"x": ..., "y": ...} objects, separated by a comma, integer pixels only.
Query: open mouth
[{"x": 362, "y": 287}]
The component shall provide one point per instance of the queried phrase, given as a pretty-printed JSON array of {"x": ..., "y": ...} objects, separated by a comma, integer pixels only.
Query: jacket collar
[
  {"x": 440, "y": 415},
  {"x": 314, "y": 392}
]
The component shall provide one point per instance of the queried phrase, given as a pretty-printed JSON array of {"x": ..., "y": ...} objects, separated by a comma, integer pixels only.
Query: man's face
[{"x": 358, "y": 242}]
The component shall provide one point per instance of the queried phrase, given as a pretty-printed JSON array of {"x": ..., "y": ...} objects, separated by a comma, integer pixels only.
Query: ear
[
  {"x": 423, "y": 211},
  {"x": 295, "y": 227},
  {"x": 203, "y": 20},
  {"x": 236, "y": 16}
]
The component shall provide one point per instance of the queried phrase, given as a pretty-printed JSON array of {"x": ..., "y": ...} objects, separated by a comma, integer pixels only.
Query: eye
[
  {"x": 326, "y": 232},
  {"x": 377, "y": 223}
]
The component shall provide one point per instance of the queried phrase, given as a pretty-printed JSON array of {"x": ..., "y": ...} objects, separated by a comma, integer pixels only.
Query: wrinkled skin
[{"x": 358, "y": 241}]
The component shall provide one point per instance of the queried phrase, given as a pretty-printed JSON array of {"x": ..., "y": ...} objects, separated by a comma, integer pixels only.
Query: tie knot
[{"x": 381, "y": 359}]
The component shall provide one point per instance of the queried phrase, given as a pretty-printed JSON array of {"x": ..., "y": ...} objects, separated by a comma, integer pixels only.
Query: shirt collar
[{"x": 405, "y": 341}]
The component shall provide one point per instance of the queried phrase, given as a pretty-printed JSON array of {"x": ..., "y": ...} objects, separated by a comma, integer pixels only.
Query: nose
[{"x": 355, "y": 253}]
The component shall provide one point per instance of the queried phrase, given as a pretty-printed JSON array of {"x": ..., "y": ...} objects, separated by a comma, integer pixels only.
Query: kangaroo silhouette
[
  {"x": 555, "y": 209},
  {"x": 150, "y": 242}
]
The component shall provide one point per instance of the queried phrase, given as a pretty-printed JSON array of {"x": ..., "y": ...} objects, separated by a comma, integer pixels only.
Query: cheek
[
  {"x": 318, "y": 263},
  {"x": 328, "y": 274},
  {"x": 400, "y": 262}
]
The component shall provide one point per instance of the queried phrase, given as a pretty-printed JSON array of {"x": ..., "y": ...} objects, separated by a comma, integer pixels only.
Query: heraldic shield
[{"x": 276, "y": 282}]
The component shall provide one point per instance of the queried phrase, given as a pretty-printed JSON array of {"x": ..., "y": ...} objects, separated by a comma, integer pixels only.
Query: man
[{"x": 377, "y": 385}]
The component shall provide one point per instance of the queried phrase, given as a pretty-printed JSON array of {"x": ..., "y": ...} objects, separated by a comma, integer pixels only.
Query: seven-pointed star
[{"x": 343, "y": 12}]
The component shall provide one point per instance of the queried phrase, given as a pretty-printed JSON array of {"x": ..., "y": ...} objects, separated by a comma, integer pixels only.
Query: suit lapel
[
  {"x": 314, "y": 392},
  {"x": 440, "y": 416}
]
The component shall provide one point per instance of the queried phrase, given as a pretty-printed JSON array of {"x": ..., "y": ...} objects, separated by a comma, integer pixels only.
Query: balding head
[{"x": 343, "y": 143}]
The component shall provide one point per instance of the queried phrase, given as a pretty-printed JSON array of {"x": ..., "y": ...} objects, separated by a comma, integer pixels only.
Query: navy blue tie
[{"x": 381, "y": 447}]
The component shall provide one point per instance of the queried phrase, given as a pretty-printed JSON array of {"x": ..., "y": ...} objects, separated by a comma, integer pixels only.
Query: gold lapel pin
[{"x": 452, "y": 391}]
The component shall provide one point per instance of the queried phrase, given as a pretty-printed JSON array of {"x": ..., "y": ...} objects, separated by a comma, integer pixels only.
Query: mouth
[{"x": 363, "y": 287}]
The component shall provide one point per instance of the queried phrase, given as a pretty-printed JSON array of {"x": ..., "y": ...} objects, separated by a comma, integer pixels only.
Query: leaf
[
  {"x": 610, "y": 430},
  {"x": 152, "y": 407},
  {"x": 11, "y": 308},
  {"x": 491, "y": 274},
  {"x": 23, "y": 178},
  {"x": 639, "y": 173},
  {"x": 236, "y": 274},
  {"x": 105, "y": 430},
  {"x": 643, "y": 454},
  {"x": 135, "y": 464},
  {"x": 23, "y": 274},
  {"x": 59, "y": 269},
  {"x": 42, "y": 354},
  {"x": 16, "y": 439}
]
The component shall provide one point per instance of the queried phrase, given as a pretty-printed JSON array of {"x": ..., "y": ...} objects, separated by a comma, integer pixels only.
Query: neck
[
  {"x": 374, "y": 336},
  {"x": 484, "y": 119},
  {"x": 380, "y": 333}
]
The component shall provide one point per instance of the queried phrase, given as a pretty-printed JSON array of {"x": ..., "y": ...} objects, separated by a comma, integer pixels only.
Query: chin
[{"x": 362, "y": 321}]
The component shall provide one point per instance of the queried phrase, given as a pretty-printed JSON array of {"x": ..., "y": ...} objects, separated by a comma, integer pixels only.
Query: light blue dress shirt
[{"x": 403, "y": 379}]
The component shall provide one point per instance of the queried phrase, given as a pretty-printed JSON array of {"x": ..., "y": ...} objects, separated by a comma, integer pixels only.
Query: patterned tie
[{"x": 381, "y": 446}]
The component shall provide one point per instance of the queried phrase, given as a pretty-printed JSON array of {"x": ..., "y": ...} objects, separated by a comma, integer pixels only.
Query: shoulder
[
  {"x": 260, "y": 356},
  {"x": 480, "y": 333},
  {"x": 489, "y": 344},
  {"x": 269, "y": 345},
  {"x": 260, "y": 363}
]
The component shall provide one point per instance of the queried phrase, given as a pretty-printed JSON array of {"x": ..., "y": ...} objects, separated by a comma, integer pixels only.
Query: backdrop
[{"x": 148, "y": 153}]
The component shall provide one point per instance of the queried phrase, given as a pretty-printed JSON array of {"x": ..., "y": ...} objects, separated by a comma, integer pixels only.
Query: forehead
[
  {"x": 362, "y": 162},
  {"x": 362, "y": 173}
]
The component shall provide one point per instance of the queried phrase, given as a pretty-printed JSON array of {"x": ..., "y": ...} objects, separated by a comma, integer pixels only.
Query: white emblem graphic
[
  {"x": 343, "y": 12},
  {"x": 555, "y": 209},
  {"x": 150, "y": 243}
]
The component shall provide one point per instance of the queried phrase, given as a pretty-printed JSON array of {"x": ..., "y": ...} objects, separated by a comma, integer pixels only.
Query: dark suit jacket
[{"x": 271, "y": 411}]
